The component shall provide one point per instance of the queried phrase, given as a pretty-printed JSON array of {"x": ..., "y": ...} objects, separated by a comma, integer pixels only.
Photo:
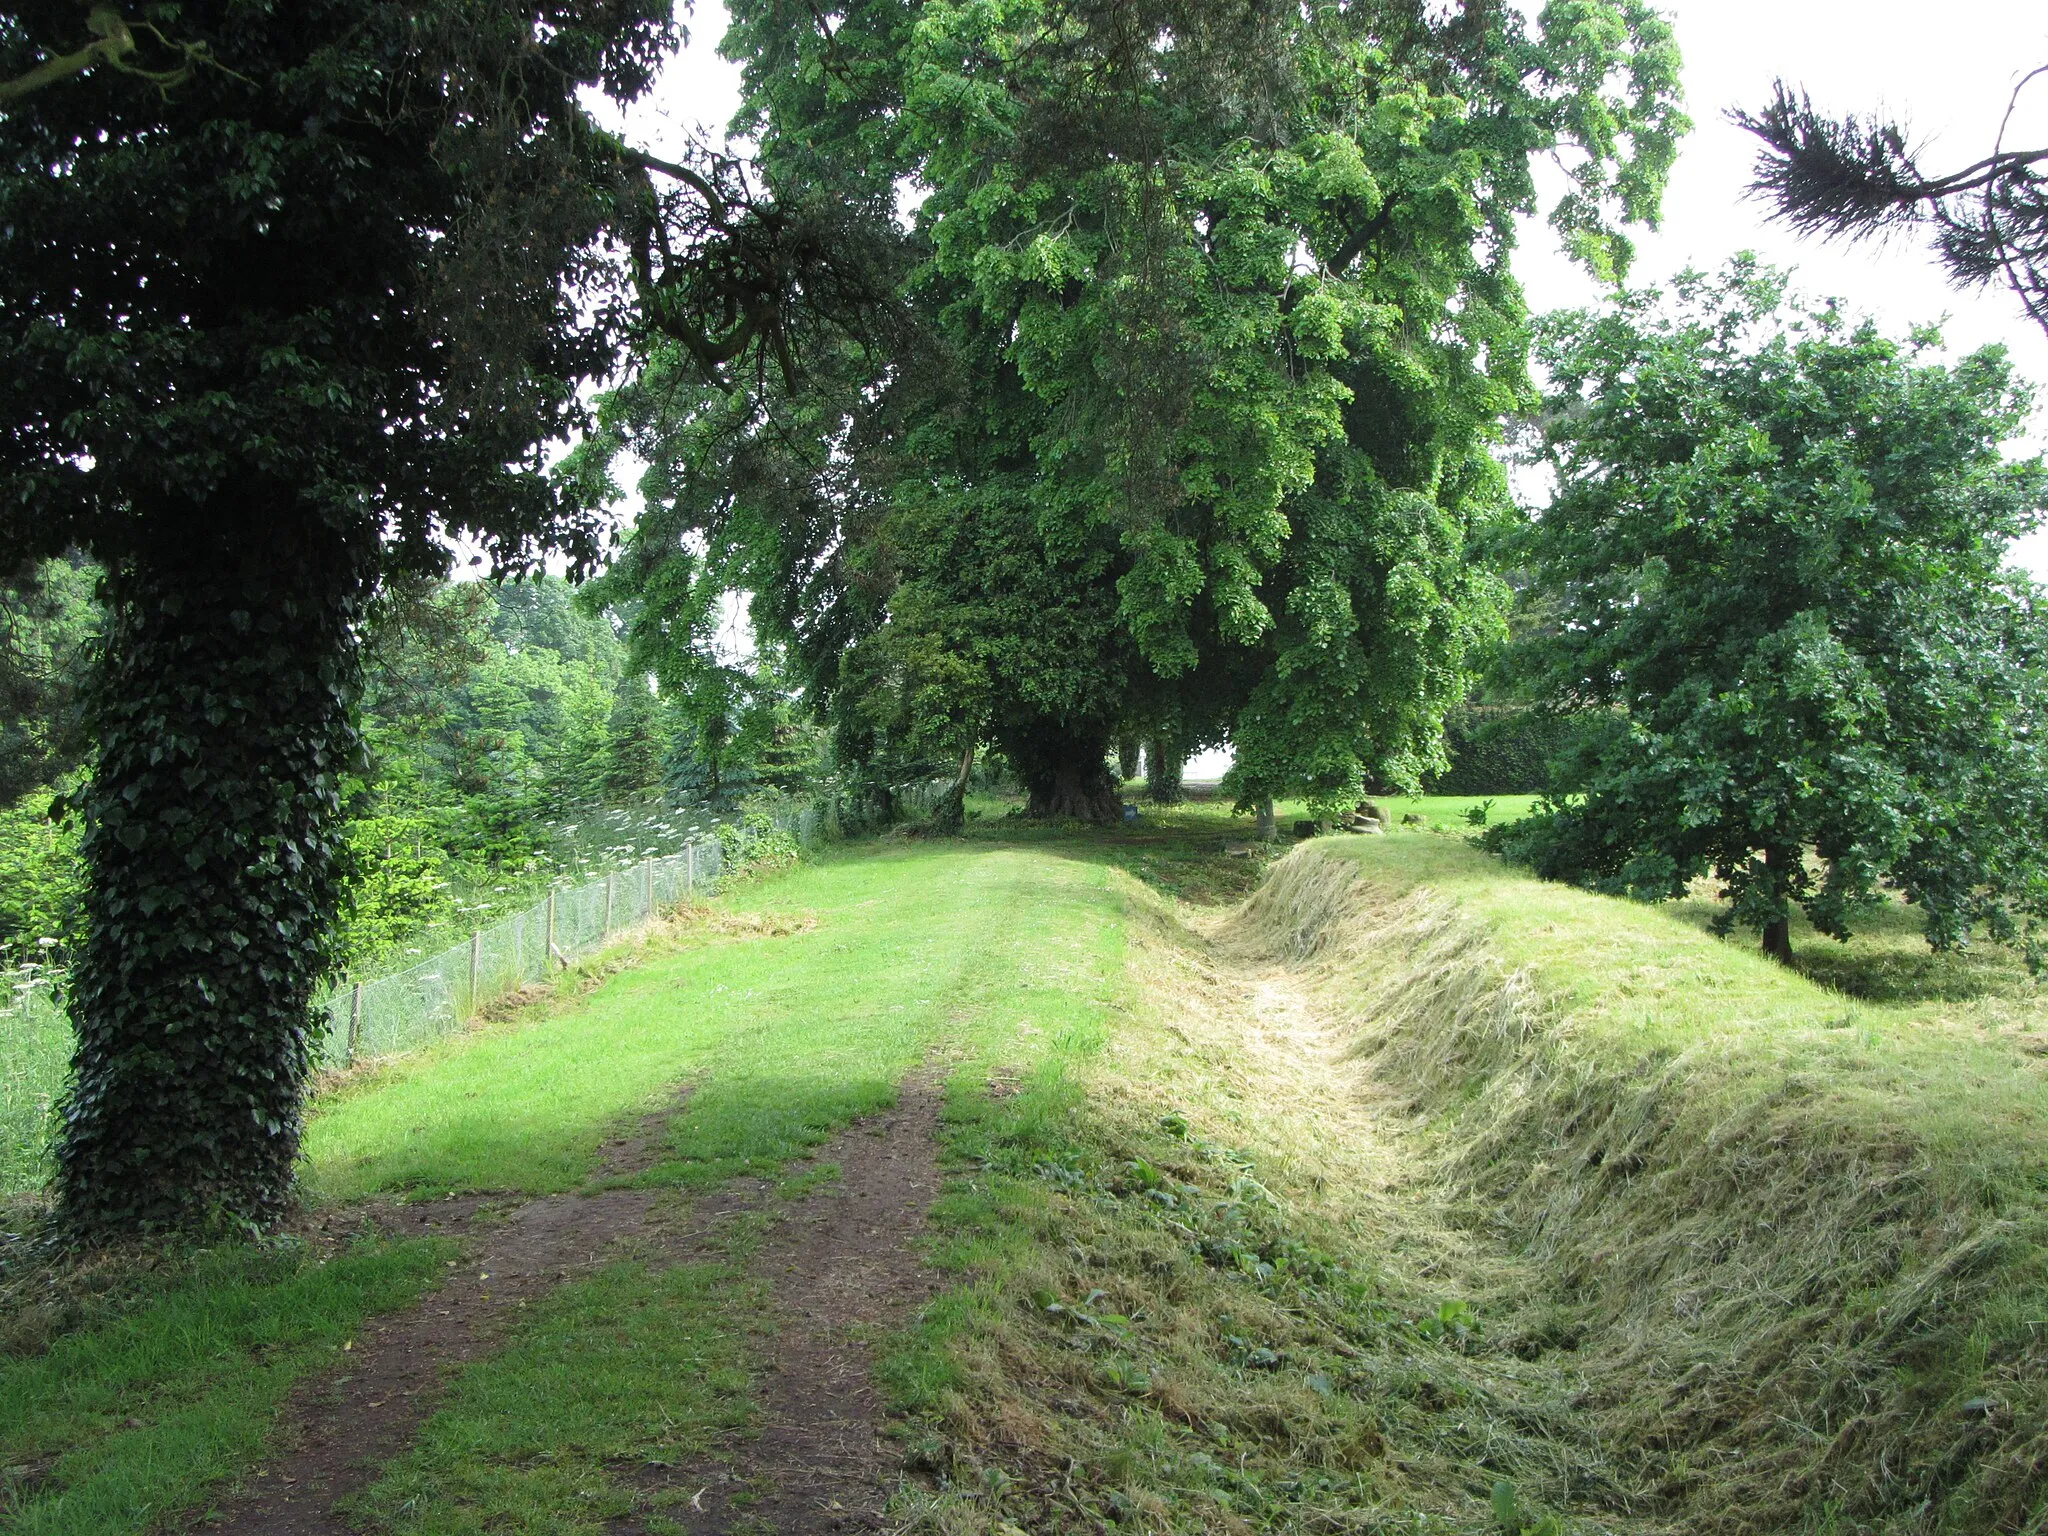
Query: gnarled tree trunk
[
  {"x": 1163, "y": 764},
  {"x": 223, "y": 716},
  {"x": 1066, "y": 773}
]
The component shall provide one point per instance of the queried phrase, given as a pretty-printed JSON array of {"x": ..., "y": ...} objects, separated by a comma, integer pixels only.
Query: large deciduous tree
[
  {"x": 1776, "y": 568},
  {"x": 1208, "y": 321},
  {"x": 266, "y": 336}
]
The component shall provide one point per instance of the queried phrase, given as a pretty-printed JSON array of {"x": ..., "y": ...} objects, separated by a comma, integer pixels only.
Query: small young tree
[{"x": 1776, "y": 556}]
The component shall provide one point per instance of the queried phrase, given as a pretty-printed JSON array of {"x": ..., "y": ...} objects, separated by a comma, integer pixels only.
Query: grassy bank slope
[
  {"x": 1793, "y": 1240},
  {"x": 1405, "y": 1195}
]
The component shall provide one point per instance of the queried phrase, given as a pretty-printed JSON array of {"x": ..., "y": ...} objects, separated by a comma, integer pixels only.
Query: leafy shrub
[
  {"x": 398, "y": 886},
  {"x": 1503, "y": 749},
  {"x": 41, "y": 880},
  {"x": 754, "y": 844}
]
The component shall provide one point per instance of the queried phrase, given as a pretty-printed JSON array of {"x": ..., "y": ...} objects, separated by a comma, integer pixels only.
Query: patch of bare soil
[
  {"x": 341, "y": 1429},
  {"x": 844, "y": 1263}
]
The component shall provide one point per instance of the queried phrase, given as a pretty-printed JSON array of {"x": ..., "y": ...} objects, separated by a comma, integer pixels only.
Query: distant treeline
[{"x": 496, "y": 720}]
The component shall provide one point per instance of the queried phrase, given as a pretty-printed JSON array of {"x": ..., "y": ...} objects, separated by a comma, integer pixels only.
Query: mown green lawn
[
  {"x": 1221, "y": 1343},
  {"x": 906, "y": 954}
]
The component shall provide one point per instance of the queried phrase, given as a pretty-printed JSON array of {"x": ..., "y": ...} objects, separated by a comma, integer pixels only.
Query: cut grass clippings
[
  {"x": 1796, "y": 1244},
  {"x": 1679, "y": 1242},
  {"x": 1181, "y": 1311}
]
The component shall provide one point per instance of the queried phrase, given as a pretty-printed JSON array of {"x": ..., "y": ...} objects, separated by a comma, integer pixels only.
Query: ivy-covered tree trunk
[
  {"x": 223, "y": 709},
  {"x": 1066, "y": 773},
  {"x": 1163, "y": 765}
]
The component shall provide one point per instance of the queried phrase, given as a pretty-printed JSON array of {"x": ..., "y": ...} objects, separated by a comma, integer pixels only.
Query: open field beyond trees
[{"x": 1378, "y": 1189}]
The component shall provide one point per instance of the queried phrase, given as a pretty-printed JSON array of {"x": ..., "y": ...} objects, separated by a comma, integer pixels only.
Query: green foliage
[
  {"x": 48, "y": 620},
  {"x": 1514, "y": 1520},
  {"x": 35, "y": 1056},
  {"x": 755, "y": 843},
  {"x": 40, "y": 884},
  {"x": 506, "y": 732},
  {"x": 1777, "y": 556},
  {"x": 1507, "y": 749},
  {"x": 399, "y": 884},
  {"x": 265, "y": 338},
  {"x": 1184, "y": 421}
]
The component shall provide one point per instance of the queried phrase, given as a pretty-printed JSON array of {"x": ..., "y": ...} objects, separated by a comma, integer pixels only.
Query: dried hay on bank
[{"x": 1802, "y": 1275}]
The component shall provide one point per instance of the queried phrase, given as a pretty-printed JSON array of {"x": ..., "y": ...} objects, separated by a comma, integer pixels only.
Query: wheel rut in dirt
[
  {"x": 343, "y": 1428},
  {"x": 845, "y": 1262}
]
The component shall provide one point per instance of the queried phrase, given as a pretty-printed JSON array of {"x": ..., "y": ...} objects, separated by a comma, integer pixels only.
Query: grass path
[
  {"x": 1220, "y": 1246},
  {"x": 863, "y": 965},
  {"x": 797, "y": 1011}
]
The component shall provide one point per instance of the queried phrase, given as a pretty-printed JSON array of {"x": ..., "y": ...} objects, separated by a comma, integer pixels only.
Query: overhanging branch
[{"x": 113, "y": 45}]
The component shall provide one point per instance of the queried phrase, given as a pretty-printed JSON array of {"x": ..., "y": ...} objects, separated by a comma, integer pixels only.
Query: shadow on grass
[
  {"x": 1886, "y": 959},
  {"x": 1182, "y": 851}
]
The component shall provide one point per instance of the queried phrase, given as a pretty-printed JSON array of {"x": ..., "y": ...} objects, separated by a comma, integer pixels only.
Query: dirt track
[{"x": 840, "y": 1260}]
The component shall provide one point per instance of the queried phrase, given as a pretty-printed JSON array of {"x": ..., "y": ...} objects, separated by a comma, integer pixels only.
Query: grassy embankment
[
  {"x": 1645, "y": 1232},
  {"x": 1433, "y": 1202}
]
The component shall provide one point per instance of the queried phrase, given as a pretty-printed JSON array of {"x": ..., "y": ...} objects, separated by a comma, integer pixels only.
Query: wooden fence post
[
  {"x": 690, "y": 868},
  {"x": 355, "y": 1022},
  {"x": 610, "y": 880},
  {"x": 650, "y": 890},
  {"x": 475, "y": 943},
  {"x": 550, "y": 952}
]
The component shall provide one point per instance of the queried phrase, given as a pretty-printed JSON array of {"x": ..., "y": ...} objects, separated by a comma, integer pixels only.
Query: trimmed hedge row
[{"x": 1502, "y": 750}]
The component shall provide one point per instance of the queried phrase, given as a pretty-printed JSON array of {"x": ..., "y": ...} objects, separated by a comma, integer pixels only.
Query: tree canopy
[
  {"x": 263, "y": 342},
  {"x": 1182, "y": 424},
  {"x": 1775, "y": 569}
]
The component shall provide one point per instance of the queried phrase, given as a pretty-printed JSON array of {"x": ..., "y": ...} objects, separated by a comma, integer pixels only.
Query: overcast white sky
[{"x": 1947, "y": 70}]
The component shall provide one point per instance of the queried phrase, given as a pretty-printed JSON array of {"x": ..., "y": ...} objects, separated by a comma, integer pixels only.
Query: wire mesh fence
[
  {"x": 434, "y": 997},
  {"x": 391, "y": 1014},
  {"x": 404, "y": 1010}
]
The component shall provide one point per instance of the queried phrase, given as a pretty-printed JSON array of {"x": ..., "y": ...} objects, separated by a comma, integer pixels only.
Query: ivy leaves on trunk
[
  {"x": 223, "y": 717},
  {"x": 255, "y": 355}
]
